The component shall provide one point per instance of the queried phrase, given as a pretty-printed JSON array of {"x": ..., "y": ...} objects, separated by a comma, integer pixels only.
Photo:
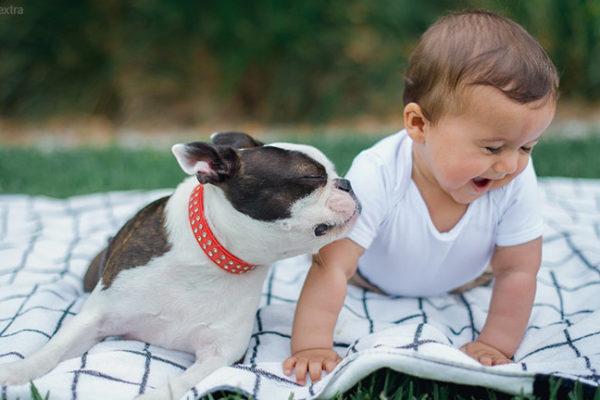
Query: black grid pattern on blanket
[{"x": 46, "y": 245}]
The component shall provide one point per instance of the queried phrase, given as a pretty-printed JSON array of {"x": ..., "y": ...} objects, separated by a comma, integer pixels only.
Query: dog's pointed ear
[
  {"x": 209, "y": 163},
  {"x": 238, "y": 140}
]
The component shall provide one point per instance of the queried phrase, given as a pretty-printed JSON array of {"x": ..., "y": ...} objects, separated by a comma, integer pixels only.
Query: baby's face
[{"x": 484, "y": 147}]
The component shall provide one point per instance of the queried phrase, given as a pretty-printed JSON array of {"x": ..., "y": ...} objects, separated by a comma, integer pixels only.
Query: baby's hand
[
  {"x": 313, "y": 361},
  {"x": 485, "y": 354}
]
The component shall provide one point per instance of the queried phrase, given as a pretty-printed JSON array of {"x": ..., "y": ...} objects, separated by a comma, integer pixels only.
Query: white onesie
[{"x": 405, "y": 253}]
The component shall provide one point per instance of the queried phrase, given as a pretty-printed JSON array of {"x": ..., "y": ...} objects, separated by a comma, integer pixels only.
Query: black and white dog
[{"x": 186, "y": 271}]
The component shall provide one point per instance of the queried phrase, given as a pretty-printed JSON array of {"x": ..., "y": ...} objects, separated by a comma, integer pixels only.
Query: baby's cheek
[
  {"x": 522, "y": 164},
  {"x": 459, "y": 178},
  {"x": 505, "y": 180},
  {"x": 502, "y": 182}
]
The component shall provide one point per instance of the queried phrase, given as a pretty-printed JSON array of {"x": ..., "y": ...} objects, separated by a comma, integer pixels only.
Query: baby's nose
[{"x": 507, "y": 164}]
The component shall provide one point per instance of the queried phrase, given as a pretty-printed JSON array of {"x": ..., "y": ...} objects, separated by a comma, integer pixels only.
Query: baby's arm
[
  {"x": 317, "y": 311},
  {"x": 515, "y": 269}
]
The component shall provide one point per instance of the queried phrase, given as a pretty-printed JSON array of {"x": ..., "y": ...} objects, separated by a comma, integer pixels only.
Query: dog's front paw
[{"x": 16, "y": 373}]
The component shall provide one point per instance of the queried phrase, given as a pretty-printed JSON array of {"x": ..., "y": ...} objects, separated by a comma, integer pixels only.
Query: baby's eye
[
  {"x": 527, "y": 149},
  {"x": 494, "y": 150}
]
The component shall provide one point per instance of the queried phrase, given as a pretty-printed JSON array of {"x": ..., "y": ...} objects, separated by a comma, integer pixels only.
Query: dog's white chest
[{"x": 180, "y": 306}]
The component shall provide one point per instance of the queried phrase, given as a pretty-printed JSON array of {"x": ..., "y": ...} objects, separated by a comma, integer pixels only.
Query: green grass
[
  {"x": 64, "y": 173},
  {"x": 71, "y": 172},
  {"x": 35, "y": 394}
]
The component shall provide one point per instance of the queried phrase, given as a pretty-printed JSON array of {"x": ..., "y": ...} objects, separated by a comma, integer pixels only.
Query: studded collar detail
[{"x": 207, "y": 241}]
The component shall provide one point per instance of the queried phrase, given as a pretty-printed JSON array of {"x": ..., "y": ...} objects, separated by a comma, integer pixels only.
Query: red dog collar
[{"x": 207, "y": 241}]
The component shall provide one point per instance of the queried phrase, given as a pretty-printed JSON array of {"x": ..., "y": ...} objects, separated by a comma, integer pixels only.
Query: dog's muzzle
[{"x": 345, "y": 186}]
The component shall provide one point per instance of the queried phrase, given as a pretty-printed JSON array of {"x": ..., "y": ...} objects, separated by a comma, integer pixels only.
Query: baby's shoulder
[
  {"x": 388, "y": 163},
  {"x": 390, "y": 145},
  {"x": 389, "y": 155}
]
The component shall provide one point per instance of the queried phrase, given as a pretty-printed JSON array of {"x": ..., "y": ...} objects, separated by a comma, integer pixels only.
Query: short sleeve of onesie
[
  {"x": 520, "y": 220},
  {"x": 377, "y": 175}
]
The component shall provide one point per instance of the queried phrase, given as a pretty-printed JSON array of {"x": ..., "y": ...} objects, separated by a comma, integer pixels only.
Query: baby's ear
[
  {"x": 209, "y": 163},
  {"x": 415, "y": 122}
]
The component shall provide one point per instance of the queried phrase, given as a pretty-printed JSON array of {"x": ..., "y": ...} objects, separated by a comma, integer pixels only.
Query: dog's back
[{"x": 142, "y": 238}]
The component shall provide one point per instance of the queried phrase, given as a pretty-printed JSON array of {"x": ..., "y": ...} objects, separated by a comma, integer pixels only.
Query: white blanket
[{"x": 46, "y": 245}]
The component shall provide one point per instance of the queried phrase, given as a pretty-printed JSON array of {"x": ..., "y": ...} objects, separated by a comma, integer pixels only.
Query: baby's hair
[{"x": 476, "y": 48}]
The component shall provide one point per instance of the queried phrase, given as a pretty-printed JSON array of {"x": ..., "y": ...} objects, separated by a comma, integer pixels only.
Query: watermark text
[{"x": 11, "y": 10}]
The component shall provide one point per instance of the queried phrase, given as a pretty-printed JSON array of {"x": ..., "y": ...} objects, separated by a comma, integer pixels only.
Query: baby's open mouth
[{"x": 481, "y": 183}]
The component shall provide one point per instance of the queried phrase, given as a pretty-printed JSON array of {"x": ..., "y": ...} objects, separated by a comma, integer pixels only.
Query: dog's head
[{"x": 291, "y": 187}]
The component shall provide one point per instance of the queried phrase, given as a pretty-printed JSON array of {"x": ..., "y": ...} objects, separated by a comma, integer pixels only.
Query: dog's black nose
[{"x": 343, "y": 184}]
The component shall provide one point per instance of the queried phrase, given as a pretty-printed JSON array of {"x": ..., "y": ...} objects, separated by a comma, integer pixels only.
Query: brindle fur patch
[
  {"x": 237, "y": 140},
  {"x": 94, "y": 271},
  {"x": 142, "y": 238}
]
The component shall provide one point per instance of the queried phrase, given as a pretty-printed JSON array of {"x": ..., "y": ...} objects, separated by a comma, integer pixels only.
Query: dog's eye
[{"x": 315, "y": 177}]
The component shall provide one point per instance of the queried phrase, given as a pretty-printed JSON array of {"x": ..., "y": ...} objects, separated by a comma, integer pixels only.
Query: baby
[{"x": 451, "y": 193}]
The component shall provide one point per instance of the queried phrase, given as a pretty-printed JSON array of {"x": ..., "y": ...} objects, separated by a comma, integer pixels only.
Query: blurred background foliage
[{"x": 191, "y": 61}]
